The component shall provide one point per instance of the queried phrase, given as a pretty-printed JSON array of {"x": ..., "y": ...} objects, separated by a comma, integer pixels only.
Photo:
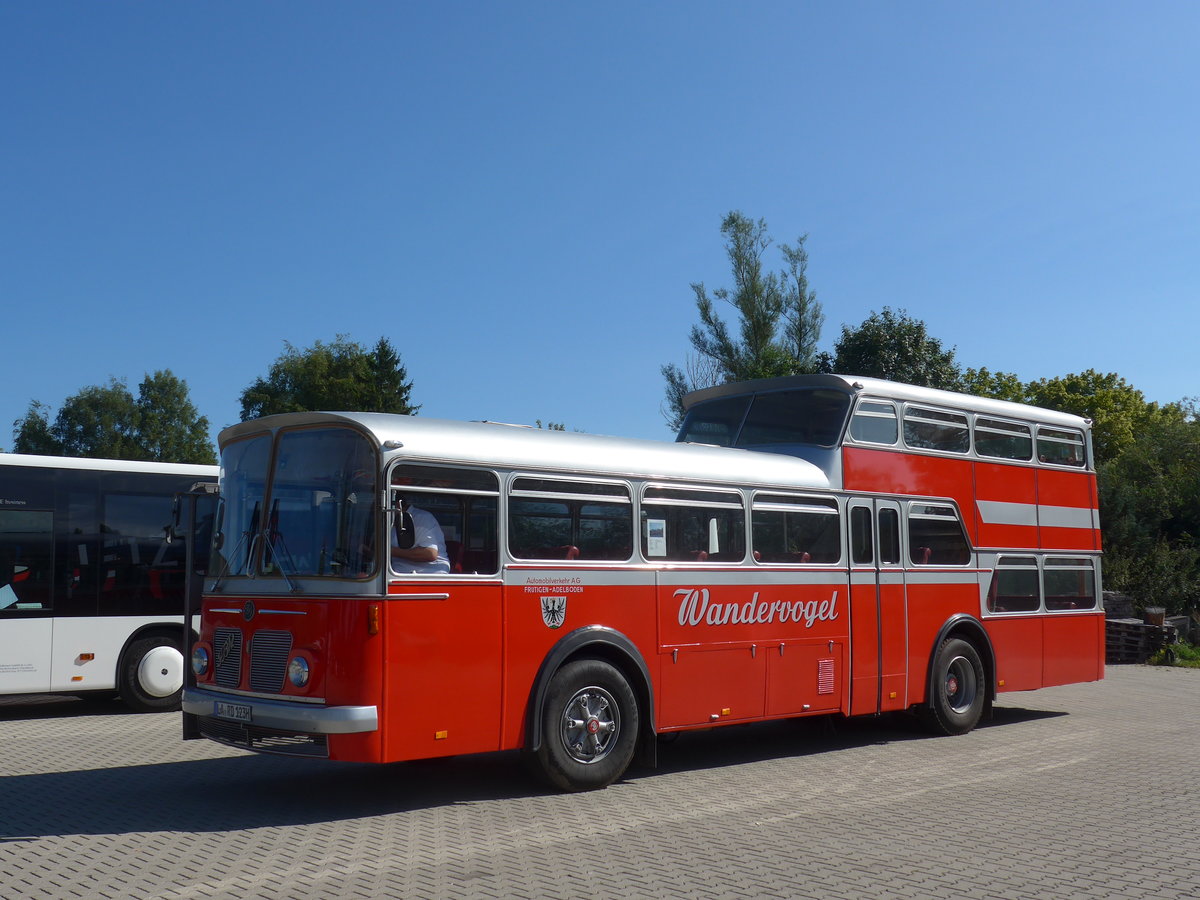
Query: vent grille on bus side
[
  {"x": 227, "y": 648},
  {"x": 825, "y": 679},
  {"x": 269, "y": 652}
]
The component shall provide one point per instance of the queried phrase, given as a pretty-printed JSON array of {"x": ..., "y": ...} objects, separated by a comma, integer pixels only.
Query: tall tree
[
  {"x": 895, "y": 346},
  {"x": 1117, "y": 409},
  {"x": 342, "y": 375},
  {"x": 107, "y": 422},
  {"x": 1150, "y": 515},
  {"x": 169, "y": 428},
  {"x": 779, "y": 319}
]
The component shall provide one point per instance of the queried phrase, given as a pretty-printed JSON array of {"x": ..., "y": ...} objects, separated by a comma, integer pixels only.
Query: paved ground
[{"x": 1088, "y": 791}]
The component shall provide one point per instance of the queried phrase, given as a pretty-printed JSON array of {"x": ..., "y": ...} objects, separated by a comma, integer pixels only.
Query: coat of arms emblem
[{"x": 554, "y": 611}]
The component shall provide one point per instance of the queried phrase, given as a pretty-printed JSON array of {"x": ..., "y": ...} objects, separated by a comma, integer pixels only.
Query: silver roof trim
[{"x": 532, "y": 449}]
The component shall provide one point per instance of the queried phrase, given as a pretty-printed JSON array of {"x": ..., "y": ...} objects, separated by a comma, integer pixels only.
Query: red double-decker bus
[{"x": 388, "y": 588}]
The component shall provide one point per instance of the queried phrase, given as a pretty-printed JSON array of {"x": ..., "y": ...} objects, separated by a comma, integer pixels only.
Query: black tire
[
  {"x": 151, "y": 677},
  {"x": 590, "y": 724},
  {"x": 959, "y": 689}
]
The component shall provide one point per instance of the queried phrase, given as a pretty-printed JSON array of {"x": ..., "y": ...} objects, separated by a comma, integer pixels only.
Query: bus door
[{"x": 878, "y": 614}]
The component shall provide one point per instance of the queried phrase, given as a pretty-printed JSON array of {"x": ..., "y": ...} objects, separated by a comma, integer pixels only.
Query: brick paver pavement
[{"x": 1085, "y": 791}]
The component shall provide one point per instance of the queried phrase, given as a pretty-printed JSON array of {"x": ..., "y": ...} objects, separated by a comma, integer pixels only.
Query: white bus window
[
  {"x": 1016, "y": 586},
  {"x": 936, "y": 429},
  {"x": 1003, "y": 440},
  {"x": 935, "y": 536},
  {"x": 874, "y": 422},
  {"x": 796, "y": 530},
  {"x": 1070, "y": 583},
  {"x": 689, "y": 525},
  {"x": 465, "y": 504},
  {"x": 553, "y": 519},
  {"x": 1061, "y": 447}
]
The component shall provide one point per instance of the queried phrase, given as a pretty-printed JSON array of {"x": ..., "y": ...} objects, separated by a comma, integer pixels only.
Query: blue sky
[{"x": 519, "y": 195}]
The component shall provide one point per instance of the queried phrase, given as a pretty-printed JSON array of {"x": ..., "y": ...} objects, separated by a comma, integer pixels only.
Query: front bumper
[{"x": 282, "y": 715}]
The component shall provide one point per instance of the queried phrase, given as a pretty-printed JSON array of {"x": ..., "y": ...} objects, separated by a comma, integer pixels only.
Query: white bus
[{"x": 91, "y": 578}]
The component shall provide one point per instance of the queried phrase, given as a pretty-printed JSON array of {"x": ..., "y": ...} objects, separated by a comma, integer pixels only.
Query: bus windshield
[
  {"x": 315, "y": 517},
  {"x": 810, "y": 416}
]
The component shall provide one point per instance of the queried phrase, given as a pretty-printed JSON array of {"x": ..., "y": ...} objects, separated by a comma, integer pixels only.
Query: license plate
[{"x": 239, "y": 711}]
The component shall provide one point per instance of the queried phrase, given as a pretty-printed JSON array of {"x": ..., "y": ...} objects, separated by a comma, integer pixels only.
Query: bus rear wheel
[
  {"x": 589, "y": 727},
  {"x": 152, "y": 675},
  {"x": 959, "y": 689}
]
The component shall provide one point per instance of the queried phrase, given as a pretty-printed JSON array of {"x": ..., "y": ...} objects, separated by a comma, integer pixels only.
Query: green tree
[
  {"x": 779, "y": 319},
  {"x": 107, "y": 422},
  {"x": 342, "y": 375},
  {"x": 1150, "y": 515},
  {"x": 169, "y": 428},
  {"x": 997, "y": 385},
  {"x": 1118, "y": 410},
  {"x": 895, "y": 346}
]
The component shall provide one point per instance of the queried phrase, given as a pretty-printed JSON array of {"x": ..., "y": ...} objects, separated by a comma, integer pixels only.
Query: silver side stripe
[{"x": 997, "y": 512}]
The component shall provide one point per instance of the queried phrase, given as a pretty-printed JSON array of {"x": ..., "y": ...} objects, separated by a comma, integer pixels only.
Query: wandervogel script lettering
[{"x": 695, "y": 608}]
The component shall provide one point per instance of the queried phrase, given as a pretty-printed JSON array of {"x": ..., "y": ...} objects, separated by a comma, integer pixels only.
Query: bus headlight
[
  {"x": 298, "y": 671},
  {"x": 199, "y": 660}
]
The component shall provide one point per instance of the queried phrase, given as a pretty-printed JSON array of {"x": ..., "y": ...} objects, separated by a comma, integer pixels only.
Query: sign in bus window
[
  {"x": 1070, "y": 583},
  {"x": 695, "y": 525},
  {"x": 874, "y": 422},
  {"x": 1003, "y": 440},
  {"x": 936, "y": 429},
  {"x": 1016, "y": 586}
]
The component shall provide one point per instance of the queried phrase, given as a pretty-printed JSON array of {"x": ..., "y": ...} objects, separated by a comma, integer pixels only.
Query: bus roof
[
  {"x": 522, "y": 447},
  {"x": 107, "y": 465},
  {"x": 878, "y": 387}
]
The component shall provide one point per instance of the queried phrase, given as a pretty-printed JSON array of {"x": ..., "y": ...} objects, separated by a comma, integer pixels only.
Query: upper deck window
[
  {"x": 874, "y": 422},
  {"x": 936, "y": 429},
  {"x": 1003, "y": 440},
  {"x": 1061, "y": 446},
  {"x": 809, "y": 416}
]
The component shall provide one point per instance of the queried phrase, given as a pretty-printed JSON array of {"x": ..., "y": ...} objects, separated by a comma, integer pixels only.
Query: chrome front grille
[
  {"x": 227, "y": 653},
  {"x": 269, "y": 654}
]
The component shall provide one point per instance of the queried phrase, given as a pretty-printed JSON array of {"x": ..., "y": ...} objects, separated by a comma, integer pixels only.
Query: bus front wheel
[
  {"x": 589, "y": 726},
  {"x": 959, "y": 688},
  {"x": 152, "y": 675}
]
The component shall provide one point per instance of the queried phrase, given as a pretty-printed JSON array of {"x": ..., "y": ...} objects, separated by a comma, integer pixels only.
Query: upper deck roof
[
  {"x": 523, "y": 448},
  {"x": 878, "y": 387}
]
